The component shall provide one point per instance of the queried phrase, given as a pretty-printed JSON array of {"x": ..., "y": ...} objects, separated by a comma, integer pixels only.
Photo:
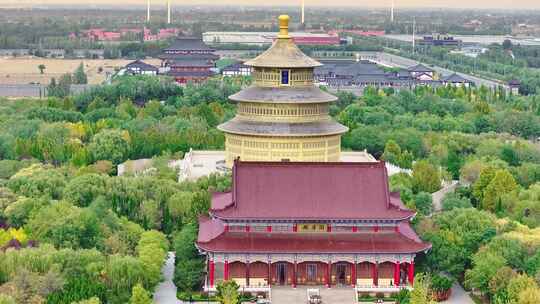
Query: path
[
  {"x": 335, "y": 295},
  {"x": 459, "y": 296},
  {"x": 166, "y": 290}
]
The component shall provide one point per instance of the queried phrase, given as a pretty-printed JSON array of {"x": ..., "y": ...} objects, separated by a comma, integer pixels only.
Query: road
[
  {"x": 166, "y": 290},
  {"x": 459, "y": 296},
  {"x": 402, "y": 62}
]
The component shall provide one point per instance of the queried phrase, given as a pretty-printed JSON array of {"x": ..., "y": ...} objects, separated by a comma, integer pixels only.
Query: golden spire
[{"x": 284, "y": 27}]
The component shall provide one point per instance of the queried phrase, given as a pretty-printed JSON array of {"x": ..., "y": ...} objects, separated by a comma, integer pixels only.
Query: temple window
[{"x": 285, "y": 77}]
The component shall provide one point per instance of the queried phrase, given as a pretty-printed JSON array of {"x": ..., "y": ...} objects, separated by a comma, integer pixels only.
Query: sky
[{"x": 512, "y": 4}]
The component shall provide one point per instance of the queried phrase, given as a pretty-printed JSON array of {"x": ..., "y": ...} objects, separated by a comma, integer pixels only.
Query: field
[{"x": 25, "y": 70}]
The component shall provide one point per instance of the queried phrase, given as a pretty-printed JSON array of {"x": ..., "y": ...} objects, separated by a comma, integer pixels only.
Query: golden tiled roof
[{"x": 283, "y": 53}]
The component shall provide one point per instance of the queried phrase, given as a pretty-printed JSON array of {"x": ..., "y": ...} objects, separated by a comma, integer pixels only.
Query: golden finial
[{"x": 284, "y": 26}]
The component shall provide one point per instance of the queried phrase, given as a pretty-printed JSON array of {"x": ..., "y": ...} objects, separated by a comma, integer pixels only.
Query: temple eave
[{"x": 283, "y": 129}]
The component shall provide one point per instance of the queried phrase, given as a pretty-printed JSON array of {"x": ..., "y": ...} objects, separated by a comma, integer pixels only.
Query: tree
[
  {"x": 425, "y": 177},
  {"x": 530, "y": 295},
  {"x": 499, "y": 283},
  {"x": 485, "y": 266},
  {"x": 519, "y": 284},
  {"x": 502, "y": 183},
  {"x": 139, "y": 295},
  {"x": 421, "y": 294},
  {"x": 79, "y": 77},
  {"x": 392, "y": 152},
  {"x": 227, "y": 292},
  {"x": 454, "y": 200},
  {"x": 41, "y": 68},
  {"x": 423, "y": 202},
  {"x": 112, "y": 145},
  {"x": 93, "y": 300}
]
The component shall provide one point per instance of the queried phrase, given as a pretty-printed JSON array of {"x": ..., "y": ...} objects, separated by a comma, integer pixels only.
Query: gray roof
[
  {"x": 308, "y": 94},
  {"x": 455, "y": 78},
  {"x": 141, "y": 65},
  {"x": 245, "y": 127},
  {"x": 420, "y": 68},
  {"x": 190, "y": 73},
  {"x": 190, "y": 62},
  {"x": 188, "y": 44}
]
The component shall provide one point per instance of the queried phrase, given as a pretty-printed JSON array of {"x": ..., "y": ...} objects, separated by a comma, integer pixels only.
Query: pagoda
[
  {"x": 297, "y": 213},
  {"x": 283, "y": 116}
]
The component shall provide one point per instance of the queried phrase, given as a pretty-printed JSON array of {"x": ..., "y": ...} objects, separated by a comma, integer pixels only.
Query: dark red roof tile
[
  {"x": 362, "y": 242},
  {"x": 309, "y": 191}
]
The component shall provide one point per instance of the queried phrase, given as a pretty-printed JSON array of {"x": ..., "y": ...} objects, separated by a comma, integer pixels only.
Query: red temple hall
[
  {"x": 188, "y": 59},
  {"x": 303, "y": 223}
]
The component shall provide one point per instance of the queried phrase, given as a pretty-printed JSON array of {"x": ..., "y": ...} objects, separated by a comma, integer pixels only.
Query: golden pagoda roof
[
  {"x": 323, "y": 127},
  {"x": 283, "y": 95},
  {"x": 283, "y": 53}
]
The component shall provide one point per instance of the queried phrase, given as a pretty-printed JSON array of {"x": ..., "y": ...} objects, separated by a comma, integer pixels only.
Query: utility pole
[
  {"x": 413, "y": 35},
  {"x": 303, "y": 11},
  {"x": 148, "y": 11},
  {"x": 168, "y": 11},
  {"x": 392, "y": 12}
]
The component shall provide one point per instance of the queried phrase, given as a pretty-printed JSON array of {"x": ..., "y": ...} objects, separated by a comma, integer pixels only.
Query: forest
[{"x": 72, "y": 231}]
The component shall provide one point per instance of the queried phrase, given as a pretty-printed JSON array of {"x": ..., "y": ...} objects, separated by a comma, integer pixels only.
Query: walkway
[
  {"x": 459, "y": 296},
  {"x": 166, "y": 290},
  {"x": 334, "y": 295}
]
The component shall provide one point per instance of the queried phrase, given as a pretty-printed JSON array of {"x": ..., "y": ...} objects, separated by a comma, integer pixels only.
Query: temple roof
[
  {"x": 283, "y": 53},
  {"x": 304, "y": 94},
  {"x": 316, "y": 128},
  {"x": 455, "y": 78},
  {"x": 212, "y": 238},
  {"x": 309, "y": 191},
  {"x": 420, "y": 68}
]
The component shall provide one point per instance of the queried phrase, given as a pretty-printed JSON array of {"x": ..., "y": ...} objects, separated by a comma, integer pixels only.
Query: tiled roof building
[
  {"x": 296, "y": 214},
  {"x": 188, "y": 59}
]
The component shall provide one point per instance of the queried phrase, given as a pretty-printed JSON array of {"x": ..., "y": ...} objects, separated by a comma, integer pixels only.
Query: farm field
[{"x": 25, "y": 70}]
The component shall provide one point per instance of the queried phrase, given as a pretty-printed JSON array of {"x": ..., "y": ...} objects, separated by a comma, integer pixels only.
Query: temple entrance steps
[{"x": 334, "y": 295}]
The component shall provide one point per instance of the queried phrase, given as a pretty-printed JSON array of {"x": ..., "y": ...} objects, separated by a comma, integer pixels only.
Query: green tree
[
  {"x": 392, "y": 152},
  {"x": 425, "y": 177},
  {"x": 41, "y": 68},
  {"x": 139, "y": 295},
  {"x": 79, "y": 77},
  {"x": 421, "y": 294},
  {"x": 112, "y": 145},
  {"x": 485, "y": 267},
  {"x": 423, "y": 203},
  {"x": 502, "y": 183},
  {"x": 227, "y": 292}
]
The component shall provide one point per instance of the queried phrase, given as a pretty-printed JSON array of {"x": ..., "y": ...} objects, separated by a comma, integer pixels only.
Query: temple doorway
[
  {"x": 282, "y": 273},
  {"x": 311, "y": 270},
  {"x": 341, "y": 271}
]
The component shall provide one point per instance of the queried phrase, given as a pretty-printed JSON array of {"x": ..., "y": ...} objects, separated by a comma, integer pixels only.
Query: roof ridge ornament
[{"x": 284, "y": 27}]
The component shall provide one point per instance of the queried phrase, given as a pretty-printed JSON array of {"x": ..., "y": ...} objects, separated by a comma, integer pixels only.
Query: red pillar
[
  {"x": 411, "y": 273},
  {"x": 375, "y": 274},
  {"x": 294, "y": 275},
  {"x": 353, "y": 274},
  {"x": 269, "y": 275},
  {"x": 396, "y": 273},
  {"x": 226, "y": 271},
  {"x": 247, "y": 273},
  {"x": 211, "y": 269},
  {"x": 327, "y": 275}
]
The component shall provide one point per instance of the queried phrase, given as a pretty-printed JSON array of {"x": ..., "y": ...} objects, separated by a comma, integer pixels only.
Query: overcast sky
[{"x": 514, "y": 4}]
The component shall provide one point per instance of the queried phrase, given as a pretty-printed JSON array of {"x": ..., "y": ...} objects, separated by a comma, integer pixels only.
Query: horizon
[{"x": 404, "y": 4}]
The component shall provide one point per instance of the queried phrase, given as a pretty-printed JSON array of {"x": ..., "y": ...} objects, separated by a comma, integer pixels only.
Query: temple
[
  {"x": 283, "y": 115},
  {"x": 299, "y": 223},
  {"x": 300, "y": 211},
  {"x": 188, "y": 59}
]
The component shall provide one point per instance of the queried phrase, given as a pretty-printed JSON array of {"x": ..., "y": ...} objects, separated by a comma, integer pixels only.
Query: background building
[{"x": 189, "y": 59}]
